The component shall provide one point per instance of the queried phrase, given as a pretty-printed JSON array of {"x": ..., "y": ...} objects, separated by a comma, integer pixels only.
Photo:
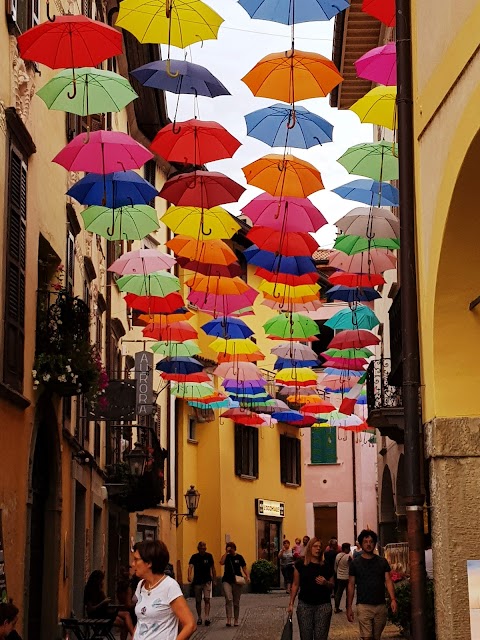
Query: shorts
[
  {"x": 372, "y": 620},
  {"x": 204, "y": 590}
]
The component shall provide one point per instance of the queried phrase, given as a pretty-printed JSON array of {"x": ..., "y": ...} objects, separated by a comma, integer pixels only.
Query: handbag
[
  {"x": 287, "y": 633},
  {"x": 238, "y": 579}
]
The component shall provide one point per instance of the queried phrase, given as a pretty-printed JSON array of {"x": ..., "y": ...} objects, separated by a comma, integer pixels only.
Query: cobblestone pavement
[{"x": 262, "y": 618}]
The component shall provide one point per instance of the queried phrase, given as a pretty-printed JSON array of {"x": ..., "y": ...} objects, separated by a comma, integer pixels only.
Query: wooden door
[{"x": 326, "y": 526}]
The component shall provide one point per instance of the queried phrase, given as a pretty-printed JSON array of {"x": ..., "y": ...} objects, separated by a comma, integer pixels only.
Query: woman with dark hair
[
  {"x": 96, "y": 603},
  {"x": 313, "y": 581},
  {"x": 287, "y": 561},
  {"x": 160, "y": 606},
  {"x": 232, "y": 581},
  {"x": 8, "y": 618}
]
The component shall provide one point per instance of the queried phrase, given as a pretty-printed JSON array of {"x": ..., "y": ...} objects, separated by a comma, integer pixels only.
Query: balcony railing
[{"x": 381, "y": 394}]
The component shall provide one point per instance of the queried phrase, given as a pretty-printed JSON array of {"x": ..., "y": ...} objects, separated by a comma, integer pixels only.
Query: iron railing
[{"x": 381, "y": 394}]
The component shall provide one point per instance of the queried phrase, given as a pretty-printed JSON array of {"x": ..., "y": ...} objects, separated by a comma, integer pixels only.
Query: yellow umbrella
[
  {"x": 378, "y": 106},
  {"x": 286, "y": 291},
  {"x": 173, "y": 22},
  {"x": 296, "y": 375},
  {"x": 284, "y": 176},
  {"x": 240, "y": 346},
  {"x": 203, "y": 224}
]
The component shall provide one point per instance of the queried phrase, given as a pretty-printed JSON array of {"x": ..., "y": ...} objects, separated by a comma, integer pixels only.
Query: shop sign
[
  {"x": 270, "y": 508},
  {"x": 144, "y": 376}
]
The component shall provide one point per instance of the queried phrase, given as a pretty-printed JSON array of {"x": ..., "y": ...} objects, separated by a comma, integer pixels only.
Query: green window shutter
[{"x": 323, "y": 445}]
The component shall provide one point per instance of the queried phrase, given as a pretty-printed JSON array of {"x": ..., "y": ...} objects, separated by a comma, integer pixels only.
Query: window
[
  {"x": 246, "y": 451},
  {"x": 97, "y": 441},
  {"x": 290, "y": 461},
  {"x": 14, "y": 336},
  {"x": 70, "y": 261},
  {"x": 192, "y": 428},
  {"x": 23, "y": 13},
  {"x": 150, "y": 175},
  {"x": 323, "y": 442},
  {"x": 82, "y": 425}
]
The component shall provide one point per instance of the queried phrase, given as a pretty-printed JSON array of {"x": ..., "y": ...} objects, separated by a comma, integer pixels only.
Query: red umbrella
[
  {"x": 306, "y": 421},
  {"x": 243, "y": 416},
  {"x": 191, "y": 377},
  {"x": 155, "y": 304},
  {"x": 354, "y": 339},
  {"x": 206, "y": 189},
  {"x": 286, "y": 244},
  {"x": 356, "y": 279},
  {"x": 208, "y": 269},
  {"x": 353, "y": 364},
  {"x": 383, "y": 10},
  {"x": 178, "y": 332},
  {"x": 287, "y": 278},
  {"x": 317, "y": 407},
  {"x": 194, "y": 142}
]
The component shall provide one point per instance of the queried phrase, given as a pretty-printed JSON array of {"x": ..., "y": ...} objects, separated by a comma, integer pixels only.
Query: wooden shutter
[
  {"x": 254, "y": 435},
  {"x": 283, "y": 460},
  {"x": 298, "y": 460},
  {"x": 14, "y": 337},
  {"x": 323, "y": 445},
  {"x": 238, "y": 450}
]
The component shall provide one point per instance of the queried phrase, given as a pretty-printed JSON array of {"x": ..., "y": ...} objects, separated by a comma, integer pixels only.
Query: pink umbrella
[
  {"x": 379, "y": 65},
  {"x": 338, "y": 383},
  {"x": 222, "y": 305},
  {"x": 141, "y": 262},
  {"x": 373, "y": 261},
  {"x": 284, "y": 213},
  {"x": 354, "y": 364},
  {"x": 103, "y": 152},
  {"x": 239, "y": 371}
]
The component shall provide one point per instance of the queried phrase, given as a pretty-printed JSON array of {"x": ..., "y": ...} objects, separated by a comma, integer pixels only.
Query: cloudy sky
[{"x": 241, "y": 44}]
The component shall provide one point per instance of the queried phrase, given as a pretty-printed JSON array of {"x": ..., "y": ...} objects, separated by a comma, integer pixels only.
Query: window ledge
[
  {"x": 250, "y": 478},
  {"x": 14, "y": 397},
  {"x": 324, "y": 464},
  {"x": 293, "y": 485},
  {"x": 190, "y": 441}
]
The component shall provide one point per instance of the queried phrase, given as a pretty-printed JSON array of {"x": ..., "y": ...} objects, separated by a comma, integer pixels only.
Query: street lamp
[
  {"x": 137, "y": 459},
  {"x": 192, "y": 498}
]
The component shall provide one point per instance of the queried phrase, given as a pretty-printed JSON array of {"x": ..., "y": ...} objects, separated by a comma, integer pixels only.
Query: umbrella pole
[{"x": 49, "y": 17}]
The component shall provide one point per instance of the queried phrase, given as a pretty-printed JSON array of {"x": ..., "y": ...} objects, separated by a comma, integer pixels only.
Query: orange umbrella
[
  {"x": 240, "y": 357},
  {"x": 206, "y": 251},
  {"x": 217, "y": 285},
  {"x": 293, "y": 75},
  {"x": 286, "y": 301},
  {"x": 284, "y": 176},
  {"x": 164, "y": 319}
]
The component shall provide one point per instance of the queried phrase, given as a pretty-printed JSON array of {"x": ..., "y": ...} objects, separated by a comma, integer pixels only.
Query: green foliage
[
  {"x": 402, "y": 618},
  {"x": 262, "y": 576}
]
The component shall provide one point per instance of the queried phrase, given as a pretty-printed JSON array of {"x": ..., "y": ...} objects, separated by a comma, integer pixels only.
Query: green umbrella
[
  {"x": 356, "y": 244},
  {"x": 185, "y": 349},
  {"x": 360, "y": 317},
  {"x": 154, "y": 284},
  {"x": 126, "y": 223},
  {"x": 192, "y": 390},
  {"x": 293, "y": 325},
  {"x": 348, "y": 353},
  {"x": 375, "y": 160},
  {"x": 97, "y": 91}
]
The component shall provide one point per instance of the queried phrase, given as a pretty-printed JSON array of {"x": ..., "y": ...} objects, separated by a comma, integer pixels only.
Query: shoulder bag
[{"x": 238, "y": 579}]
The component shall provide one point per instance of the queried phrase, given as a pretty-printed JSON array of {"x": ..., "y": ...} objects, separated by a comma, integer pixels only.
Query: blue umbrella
[
  {"x": 360, "y": 317},
  {"x": 271, "y": 125},
  {"x": 114, "y": 190},
  {"x": 293, "y": 11},
  {"x": 229, "y": 328},
  {"x": 257, "y": 398},
  {"x": 295, "y": 265},
  {"x": 352, "y": 294},
  {"x": 243, "y": 390},
  {"x": 288, "y": 416},
  {"x": 342, "y": 390},
  {"x": 368, "y": 191},
  {"x": 344, "y": 373},
  {"x": 181, "y": 366},
  {"x": 191, "y": 79},
  {"x": 285, "y": 363}
]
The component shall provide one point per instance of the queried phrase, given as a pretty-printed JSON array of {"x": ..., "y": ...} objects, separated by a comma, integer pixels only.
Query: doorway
[
  {"x": 326, "y": 523},
  {"x": 268, "y": 543},
  {"x": 79, "y": 549}
]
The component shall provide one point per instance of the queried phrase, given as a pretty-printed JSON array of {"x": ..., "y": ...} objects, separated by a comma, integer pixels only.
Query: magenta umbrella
[
  {"x": 379, "y": 65},
  {"x": 243, "y": 371},
  {"x": 103, "y": 152},
  {"x": 222, "y": 305},
  {"x": 284, "y": 213},
  {"x": 142, "y": 262}
]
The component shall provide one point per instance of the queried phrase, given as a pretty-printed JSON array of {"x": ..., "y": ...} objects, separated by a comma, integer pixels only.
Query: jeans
[
  {"x": 314, "y": 620},
  {"x": 232, "y": 599},
  {"x": 340, "y": 588}
]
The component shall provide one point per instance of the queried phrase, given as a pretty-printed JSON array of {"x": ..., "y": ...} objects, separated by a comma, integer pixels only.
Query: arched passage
[{"x": 387, "y": 520}]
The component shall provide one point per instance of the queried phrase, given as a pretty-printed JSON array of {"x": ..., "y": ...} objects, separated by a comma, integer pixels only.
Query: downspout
[
  {"x": 409, "y": 318},
  {"x": 354, "y": 474}
]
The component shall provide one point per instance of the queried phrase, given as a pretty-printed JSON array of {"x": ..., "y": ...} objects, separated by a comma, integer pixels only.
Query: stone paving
[{"x": 262, "y": 618}]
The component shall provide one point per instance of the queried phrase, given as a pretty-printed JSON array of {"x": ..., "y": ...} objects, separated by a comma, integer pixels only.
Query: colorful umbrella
[
  {"x": 293, "y": 11},
  {"x": 208, "y": 269},
  {"x": 97, "y": 91},
  {"x": 287, "y": 244},
  {"x": 317, "y": 407},
  {"x": 360, "y": 317},
  {"x": 370, "y": 222},
  {"x": 352, "y": 294},
  {"x": 293, "y": 326},
  {"x": 178, "y": 332},
  {"x": 296, "y": 377},
  {"x": 106, "y": 152},
  {"x": 165, "y": 320},
  {"x": 294, "y": 265},
  {"x": 348, "y": 353},
  {"x": 207, "y": 251},
  {"x": 217, "y": 285},
  {"x": 373, "y": 261},
  {"x": 176, "y": 349},
  {"x": 240, "y": 357},
  {"x": 243, "y": 416},
  {"x": 291, "y": 76},
  {"x": 288, "y": 416},
  {"x": 185, "y": 78},
  {"x": 287, "y": 279},
  {"x": 356, "y": 279},
  {"x": 287, "y": 363},
  {"x": 241, "y": 371},
  {"x": 284, "y": 175},
  {"x": 282, "y": 126},
  {"x": 221, "y": 345},
  {"x": 354, "y": 339},
  {"x": 383, "y": 10},
  {"x": 379, "y": 65},
  {"x": 289, "y": 298},
  {"x": 185, "y": 378},
  {"x": 229, "y": 328},
  {"x": 194, "y": 142},
  {"x": 142, "y": 261},
  {"x": 202, "y": 224},
  {"x": 155, "y": 304},
  {"x": 375, "y": 160},
  {"x": 278, "y": 290},
  {"x": 180, "y": 365},
  {"x": 223, "y": 305},
  {"x": 245, "y": 389},
  {"x": 205, "y": 189},
  {"x": 370, "y": 192},
  {"x": 153, "y": 284},
  {"x": 284, "y": 213},
  {"x": 296, "y": 351},
  {"x": 378, "y": 106},
  {"x": 295, "y": 307},
  {"x": 191, "y": 390},
  {"x": 351, "y": 364},
  {"x": 127, "y": 223},
  {"x": 113, "y": 190},
  {"x": 351, "y": 244},
  {"x": 220, "y": 404}
]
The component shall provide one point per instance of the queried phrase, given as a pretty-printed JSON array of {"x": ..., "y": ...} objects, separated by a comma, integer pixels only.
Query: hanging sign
[
  {"x": 3, "y": 577},
  {"x": 144, "y": 376},
  {"x": 270, "y": 508}
]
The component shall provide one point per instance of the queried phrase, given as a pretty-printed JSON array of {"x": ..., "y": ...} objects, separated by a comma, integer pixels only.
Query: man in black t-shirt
[
  {"x": 370, "y": 574},
  {"x": 201, "y": 573}
]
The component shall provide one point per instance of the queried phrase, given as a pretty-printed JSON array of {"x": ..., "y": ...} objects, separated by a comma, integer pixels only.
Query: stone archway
[{"x": 387, "y": 519}]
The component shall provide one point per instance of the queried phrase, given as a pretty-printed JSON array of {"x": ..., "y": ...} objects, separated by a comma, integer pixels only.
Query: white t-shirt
[{"x": 156, "y": 620}]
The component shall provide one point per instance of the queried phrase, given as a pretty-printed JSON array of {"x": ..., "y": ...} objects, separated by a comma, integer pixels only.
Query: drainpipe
[
  {"x": 409, "y": 319},
  {"x": 354, "y": 473}
]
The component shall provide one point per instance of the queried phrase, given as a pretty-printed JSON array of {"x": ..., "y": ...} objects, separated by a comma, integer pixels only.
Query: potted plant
[{"x": 262, "y": 576}]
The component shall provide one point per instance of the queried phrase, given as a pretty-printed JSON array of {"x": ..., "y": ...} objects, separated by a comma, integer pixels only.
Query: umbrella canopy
[
  {"x": 375, "y": 160},
  {"x": 153, "y": 284},
  {"x": 232, "y": 328},
  {"x": 177, "y": 332},
  {"x": 186, "y": 377},
  {"x": 207, "y": 251},
  {"x": 176, "y": 349},
  {"x": 154, "y": 304},
  {"x": 288, "y": 416},
  {"x": 370, "y": 192},
  {"x": 70, "y": 41},
  {"x": 127, "y": 223},
  {"x": 293, "y": 265},
  {"x": 180, "y": 365},
  {"x": 164, "y": 22},
  {"x": 351, "y": 364},
  {"x": 351, "y": 244},
  {"x": 203, "y": 224},
  {"x": 295, "y": 307},
  {"x": 286, "y": 363},
  {"x": 360, "y": 317},
  {"x": 289, "y": 297},
  {"x": 106, "y": 152},
  {"x": 245, "y": 389},
  {"x": 291, "y": 76},
  {"x": 318, "y": 407},
  {"x": 293, "y": 12},
  {"x": 383, "y": 10},
  {"x": 354, "y": 339},
  {"x": 240, "y": 357},
  {"x": 185, "y": 78},
  {"x": 97, "y": 91},
  {"x": 142, "y": 261},
  {"x": 221, "y": 345},
  {"x": 113, "y": 190},
  {"x": 223, "y": 305},
  {"x": 210, "y": 269},
  {"x": 293, "y": 326},
  {"x": 217, "y": 285},
  {"x": 370, "y": 222},
  {"x": 296, "y": 377},
  {"x": 192, "y": 390},
  {"x": 243, "y": 416},
  {"x": 205, "y": 189},
  {"x": 194, "y": 142},
  {"x": 287, "y": 244},
  {"x": 337, "y": 419},
  {"x": 373, "y": 261},
  {"x": 282, "y": 126},
  {"x": 281, "y": 175},
  {"x": 352, "y": 294},
  {"x": 278, "y": 290},
  {"x": 378, "y": 106},
  {"x": 379, "y": 65},
  {"x": 356, "y": 279},
  {"x": 284, "y": 213},
  {"x": 348, "y": 353},
  {"x": 296, "y": 351},
  {"x": 165, "y": 319},
  {"x": 240, "y": 371},
  {"x": 287, "y": 279}
]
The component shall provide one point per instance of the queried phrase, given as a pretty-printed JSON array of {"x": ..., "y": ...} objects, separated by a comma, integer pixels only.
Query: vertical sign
[
  {"x": 144, "y": 376},
  {"x": 3, "y": 577}
]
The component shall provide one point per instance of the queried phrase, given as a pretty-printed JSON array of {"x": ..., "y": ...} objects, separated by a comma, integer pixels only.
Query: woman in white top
[
  {"x": 342, "y": 568},
  {"x": 160, "y": 606}
]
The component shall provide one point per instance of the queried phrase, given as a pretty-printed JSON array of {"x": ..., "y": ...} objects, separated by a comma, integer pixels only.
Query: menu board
[{"x": 3, "y": 577}]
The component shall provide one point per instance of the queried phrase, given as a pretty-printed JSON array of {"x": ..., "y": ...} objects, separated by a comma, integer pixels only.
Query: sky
[{"x": 242, "y": 42}]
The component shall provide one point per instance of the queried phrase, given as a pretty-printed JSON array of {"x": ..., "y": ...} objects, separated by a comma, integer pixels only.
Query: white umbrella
[{"x": 370, "y": 222}]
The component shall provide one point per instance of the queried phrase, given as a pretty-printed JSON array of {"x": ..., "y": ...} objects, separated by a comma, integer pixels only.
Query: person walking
[
  {"x": 303, "y": 548},
  {"x": 160, "y": 606},
  {"x": 341, "y": 568},
  {"x": 287, "y": 562},
  {"x": 8, "y": 619},
  {"x": 313, "y": 581},
  {"x": 233, "y": 580},
  {"x": 331, "y": 553},
  {"x": 297, "y": 548},
  {"x": 201, "y": 573},
  {"x": 370, "y": 574},
  {"x": 97, "y": 605}
]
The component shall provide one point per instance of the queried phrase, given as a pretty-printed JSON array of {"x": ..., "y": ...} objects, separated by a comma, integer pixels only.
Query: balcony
[{"x": 385, "y": 407}]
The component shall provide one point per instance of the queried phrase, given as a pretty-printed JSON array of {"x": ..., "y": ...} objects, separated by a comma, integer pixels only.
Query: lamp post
[
  {"x": 136, "y": 459},
  {"x": 192, "y": 498}
]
